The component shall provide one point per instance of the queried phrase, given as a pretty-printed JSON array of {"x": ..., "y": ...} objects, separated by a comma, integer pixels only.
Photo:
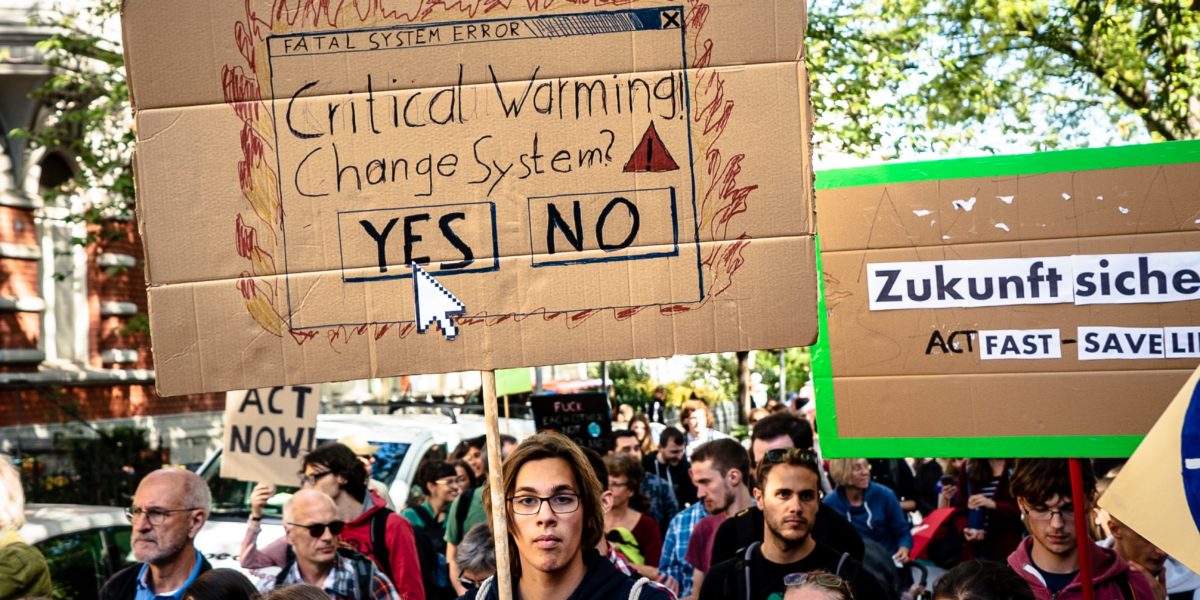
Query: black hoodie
[{"x": 602, "y": 581}]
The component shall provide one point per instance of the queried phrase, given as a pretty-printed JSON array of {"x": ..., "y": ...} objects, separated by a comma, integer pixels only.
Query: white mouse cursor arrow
[{"x": 435, "y": 303}]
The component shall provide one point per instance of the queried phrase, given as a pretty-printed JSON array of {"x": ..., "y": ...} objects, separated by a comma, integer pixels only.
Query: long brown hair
[{"x": 553, "y": 445}]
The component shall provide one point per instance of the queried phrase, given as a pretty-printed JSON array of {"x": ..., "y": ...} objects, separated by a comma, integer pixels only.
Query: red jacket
[
  {"x": 401, "y": 542},
  {"x": 402, "y": 548},
  {"x": 1109, "y": 576}
]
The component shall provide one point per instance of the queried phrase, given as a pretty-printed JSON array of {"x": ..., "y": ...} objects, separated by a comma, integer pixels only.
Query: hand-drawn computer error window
[{"x": 533, "y": 164}]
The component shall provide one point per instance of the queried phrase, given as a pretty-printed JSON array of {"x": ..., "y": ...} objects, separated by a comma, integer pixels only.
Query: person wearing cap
[{"x": 365, "y": 451}]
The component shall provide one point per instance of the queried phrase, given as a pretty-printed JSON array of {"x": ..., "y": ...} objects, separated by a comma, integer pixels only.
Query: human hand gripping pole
[{"x": 434, "y": 302}]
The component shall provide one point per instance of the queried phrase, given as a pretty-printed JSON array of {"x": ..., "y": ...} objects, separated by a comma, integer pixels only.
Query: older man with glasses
[
  {"x": 312, "y": 528},
  {"x": 169, "y": 508}
]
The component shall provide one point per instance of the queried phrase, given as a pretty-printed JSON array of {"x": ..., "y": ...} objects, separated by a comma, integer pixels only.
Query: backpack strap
[
  {"x": 636, "y": 591},
  {"x": 379, "y": 547},
  {"x": 841, "y": 562},
  {"x": 741, "y": 572},
  {"x": 426, "y": 516},
  {"x": 364, "y": 570},
  {"x": 464, "y": 506},
  {"x": 289, "y": 558},
  {"x": 484, "y": 588}
]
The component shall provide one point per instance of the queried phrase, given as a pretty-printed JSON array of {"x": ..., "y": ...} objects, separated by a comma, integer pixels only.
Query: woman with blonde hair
[{"x": 23, "y": 570}]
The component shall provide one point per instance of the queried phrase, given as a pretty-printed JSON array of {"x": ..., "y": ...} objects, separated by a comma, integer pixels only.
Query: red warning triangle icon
[{"x": 650, "y": 156}]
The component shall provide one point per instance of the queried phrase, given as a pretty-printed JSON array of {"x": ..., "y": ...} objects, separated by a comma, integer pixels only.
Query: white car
[
  {"x": 404, "y": 440},
  {"x": 84, "y": 545}
]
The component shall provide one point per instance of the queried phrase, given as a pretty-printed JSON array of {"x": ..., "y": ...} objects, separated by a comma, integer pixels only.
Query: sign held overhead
[
  {"x": 1017, "y": 303},
  {"x": 590, "y": 182}
]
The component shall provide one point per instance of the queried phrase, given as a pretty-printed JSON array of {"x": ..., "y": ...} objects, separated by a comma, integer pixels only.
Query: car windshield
[{"x": 232, "y": 497}]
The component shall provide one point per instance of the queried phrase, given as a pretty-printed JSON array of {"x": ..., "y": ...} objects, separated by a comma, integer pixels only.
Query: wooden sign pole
[{"x": 496, "y": 487}]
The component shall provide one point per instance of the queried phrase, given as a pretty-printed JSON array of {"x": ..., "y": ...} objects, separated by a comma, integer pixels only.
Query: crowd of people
[{"x": 690, "y": 513}]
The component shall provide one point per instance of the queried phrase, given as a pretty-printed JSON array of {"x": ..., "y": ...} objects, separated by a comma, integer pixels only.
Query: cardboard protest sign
[
  {"x": 1036, "y": 305},
  {"x": 1157, "y": 493},
  {"x": 267, "y": 431},
  {"x": 585, "y": 180},
  {"x": 585, "y": 418}
]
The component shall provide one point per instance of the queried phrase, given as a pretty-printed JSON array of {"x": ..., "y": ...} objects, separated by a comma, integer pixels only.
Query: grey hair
[
  {"x": 476, "y": 552},
  {"x": 195, "y": 489},
  {"x": 12, "y": 496},
  {"x": 287, "y": 506},
  {"x": 196, "y": 492},
  {"x": 297, "y": 591}
]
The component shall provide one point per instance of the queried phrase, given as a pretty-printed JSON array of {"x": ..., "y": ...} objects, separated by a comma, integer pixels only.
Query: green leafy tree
[
  {"x": 796, "y": 364},
  {"x": 891, "y": 76},
  {"x": 86, "y": 103},
  {"x": 630, "y": 381},
  {"x": 103, "y": 468},
  {"x": 714, "y": 377}
]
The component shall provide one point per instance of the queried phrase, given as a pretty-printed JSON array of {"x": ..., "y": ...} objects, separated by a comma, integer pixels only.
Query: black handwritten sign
[
  {"x": 584, "y": 418},
  {"x": 267, "y": 431}
]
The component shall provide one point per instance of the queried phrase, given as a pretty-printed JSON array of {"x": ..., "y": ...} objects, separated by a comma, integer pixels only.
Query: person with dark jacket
[
  {"x": 169, "y": 508},
  {"x": 555, "y": 520},
  {"x": 788, "y": 488},
  {"x": 668, "y": 463},
  {"x": 780, "y": 431}
]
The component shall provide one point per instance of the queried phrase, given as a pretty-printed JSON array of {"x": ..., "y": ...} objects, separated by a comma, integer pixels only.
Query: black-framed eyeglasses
[
  {"x": 312, "y": 479},
  {"x": 779, "y": 455},
  {"x": 560, "y": 504},
  {"x": 318, "y": 529},
  {"x": 1066, "y": 511},
  {"x": 155, "y": 516},
  {"x": 820, "y": 579}
]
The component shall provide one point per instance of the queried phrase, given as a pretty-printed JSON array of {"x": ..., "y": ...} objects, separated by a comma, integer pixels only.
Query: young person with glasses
[
  {"x": 169, "y": 508},
  {"x": 1048, "y": 559},
  {"x": 371, "y": 527},
  {"x": 312, "y": 527},
  {"x": 555, "y": 520},
  {"x": 789, "y": 491}
]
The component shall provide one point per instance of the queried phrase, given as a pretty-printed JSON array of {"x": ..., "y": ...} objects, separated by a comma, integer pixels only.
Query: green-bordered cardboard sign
[{"x": 1036, "y": 305}]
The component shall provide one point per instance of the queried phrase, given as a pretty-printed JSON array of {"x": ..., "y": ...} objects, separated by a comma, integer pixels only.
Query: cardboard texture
[
  {"x": 1164, "y": 473},
  {"x": 267, "y": 431},
  {"x": 592, "y": 182},
  {"x": 977, "y": 306}
]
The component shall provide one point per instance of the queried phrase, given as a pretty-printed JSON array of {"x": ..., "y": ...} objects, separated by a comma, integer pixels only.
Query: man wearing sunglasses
[
  {"x": 788, "y": 489},
  {"x": 169, "y": 508},
  {"x": 1048, "y": 558},
  {"x": 371, "y": 528},
  {"x": 555, "y": 520},
  {"x": 311, "y": 527}
]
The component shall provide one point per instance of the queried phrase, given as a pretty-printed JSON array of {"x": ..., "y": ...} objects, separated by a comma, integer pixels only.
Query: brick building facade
[{"x": 71, "y": 349}]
